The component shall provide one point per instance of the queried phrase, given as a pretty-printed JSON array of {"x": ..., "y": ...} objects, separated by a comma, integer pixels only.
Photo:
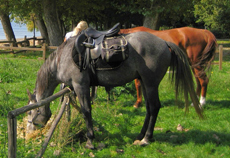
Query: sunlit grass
[{"x": 117, "y": 123}]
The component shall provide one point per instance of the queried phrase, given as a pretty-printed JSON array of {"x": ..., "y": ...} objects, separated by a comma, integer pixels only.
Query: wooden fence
[
  {"x": 25, "y": 42},
  {"x": 43, "y": 49},
  {"x": 12, "y": 122},
  {"x": 220, "y": 50}
]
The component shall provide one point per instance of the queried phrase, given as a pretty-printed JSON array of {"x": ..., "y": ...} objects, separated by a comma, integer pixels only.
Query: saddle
[
  {"x": 95, "y": 34},
  {"x": 107, "y": 45}
]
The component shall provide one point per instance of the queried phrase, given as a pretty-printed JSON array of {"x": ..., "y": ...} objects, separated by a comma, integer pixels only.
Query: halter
[{"x": 38, "y": 113}]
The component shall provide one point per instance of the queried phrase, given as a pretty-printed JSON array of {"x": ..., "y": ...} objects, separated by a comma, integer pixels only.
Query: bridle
[{"x": 37, "y": 114}]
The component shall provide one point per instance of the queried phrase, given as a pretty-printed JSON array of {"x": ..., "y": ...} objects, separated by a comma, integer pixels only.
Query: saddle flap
[
  {"x": 79, "y": 43},
  {"x": 96, "y": 52}
]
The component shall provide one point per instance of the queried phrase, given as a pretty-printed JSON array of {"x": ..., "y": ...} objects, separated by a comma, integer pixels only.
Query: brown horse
[{"x": 200, "y": 46}]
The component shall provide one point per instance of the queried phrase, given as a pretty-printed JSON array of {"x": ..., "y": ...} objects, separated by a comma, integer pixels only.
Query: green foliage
[
  {"x": 129, "y": 88},
  {"x": 103, "y": 14},
  {"x": 214, "y": 14},
  {"x": 5, "y": 6}
]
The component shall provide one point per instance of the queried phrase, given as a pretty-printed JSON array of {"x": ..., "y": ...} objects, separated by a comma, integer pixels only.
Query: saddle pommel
[{"x": 90, "y": 32}]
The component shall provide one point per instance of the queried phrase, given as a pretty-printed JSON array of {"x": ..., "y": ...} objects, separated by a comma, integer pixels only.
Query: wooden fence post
[
  {"x": 34, "y": 41},
  {"x": 12, "y": 121},
  {"x": 12, "y": 136},
  {"x": 220, "y": 56},
  {"x": 12, "y": 44},
  {"x": 52, "y": 128},
  {"x": 44, "y": 51}
]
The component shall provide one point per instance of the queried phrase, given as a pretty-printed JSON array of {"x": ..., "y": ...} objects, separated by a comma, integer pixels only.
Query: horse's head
[{"x": 37, "y": 117}]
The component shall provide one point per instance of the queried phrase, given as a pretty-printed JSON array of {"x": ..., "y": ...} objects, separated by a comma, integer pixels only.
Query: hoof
[
  {"x": 143, "y": 142},
  {"x": 202, "y": 101},
  {"x": 89, "y": 145},
  {"x": 136, "y": 142},
  {"x": 136, "y": 105}
]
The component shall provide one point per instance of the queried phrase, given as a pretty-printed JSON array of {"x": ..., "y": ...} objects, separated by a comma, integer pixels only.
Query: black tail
[{"x": 182, "y": 76}]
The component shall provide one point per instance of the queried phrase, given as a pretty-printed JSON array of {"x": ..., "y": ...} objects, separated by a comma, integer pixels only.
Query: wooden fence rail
[
  {"x": 25, "y": 42},
  {"x": 43, "y": 49},
  {"x": 12, "y": 121}
]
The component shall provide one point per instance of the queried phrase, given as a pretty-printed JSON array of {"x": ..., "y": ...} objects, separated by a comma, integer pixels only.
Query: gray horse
[{"x": 149, "y": 59}]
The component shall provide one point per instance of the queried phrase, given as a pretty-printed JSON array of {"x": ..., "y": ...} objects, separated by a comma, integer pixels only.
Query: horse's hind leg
[
  {"x": 93, "y": 94},
  {"x": 152, "y": 109},
  {"x": 198, "y": 85},
  {"x": 203, "y": 84}
]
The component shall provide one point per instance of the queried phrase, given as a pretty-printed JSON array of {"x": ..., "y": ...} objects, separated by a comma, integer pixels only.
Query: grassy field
[{"x": 117, "y": 123}]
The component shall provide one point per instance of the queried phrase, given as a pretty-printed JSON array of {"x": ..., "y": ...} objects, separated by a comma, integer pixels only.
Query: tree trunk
[
  {"x": 42, "y": 28},
  {"x": 152, "y": 22},
  {"x": 52, "y": 22},
  {"x": 9, "y": 33}
]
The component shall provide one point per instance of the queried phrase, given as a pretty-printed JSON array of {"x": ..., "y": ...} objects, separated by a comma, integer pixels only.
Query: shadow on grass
[
  {"x": 196, "y": 136},
  {"x": 114, "y": 138},
  {"x": 125, "y": 136},
  {"x": 219, "y": 104},
  {"x": 173, "y": 138}
]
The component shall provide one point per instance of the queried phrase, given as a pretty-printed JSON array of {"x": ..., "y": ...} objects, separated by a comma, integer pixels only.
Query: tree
[
  {"x": 42, "y": 27},
  {"x": 52, "y": 22},
  {"x": 154, "y": 10},
  {"x": 29, "y": 12},
  {"x": 54, "y": 17},
  {"x": 214, "y": 14},
  {"x": 5, "y": 20}
]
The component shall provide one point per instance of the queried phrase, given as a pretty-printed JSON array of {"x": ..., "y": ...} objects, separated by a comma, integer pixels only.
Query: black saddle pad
[
  {"x": 111, "y": 57},
  {"x": 101, "y": 65}
]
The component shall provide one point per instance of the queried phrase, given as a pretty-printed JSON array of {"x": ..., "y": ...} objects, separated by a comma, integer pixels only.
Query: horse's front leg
[{"x": 83, "y": 93}]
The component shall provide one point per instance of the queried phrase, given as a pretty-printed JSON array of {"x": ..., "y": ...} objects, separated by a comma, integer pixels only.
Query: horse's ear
[{"x": 29, "y": 94}]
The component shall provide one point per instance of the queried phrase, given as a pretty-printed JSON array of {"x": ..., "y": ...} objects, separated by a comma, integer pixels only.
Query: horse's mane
[
  {"x": 46, "y": 70},
  {"x": 49, "y": 67}
]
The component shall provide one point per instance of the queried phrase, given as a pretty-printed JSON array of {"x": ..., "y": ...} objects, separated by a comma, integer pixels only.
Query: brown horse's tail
[
  {"x": 182, "y": 75},
  {"x": 208, "y": 55}
]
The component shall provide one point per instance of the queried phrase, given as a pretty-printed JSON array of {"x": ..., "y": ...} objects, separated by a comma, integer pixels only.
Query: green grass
[{"x": 117, "y": 123}]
